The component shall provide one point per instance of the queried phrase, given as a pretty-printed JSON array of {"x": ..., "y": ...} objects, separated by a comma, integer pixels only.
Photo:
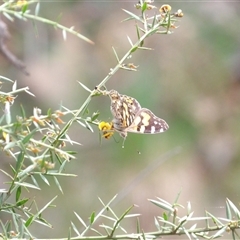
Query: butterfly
[{"x": 129, "y": 116}]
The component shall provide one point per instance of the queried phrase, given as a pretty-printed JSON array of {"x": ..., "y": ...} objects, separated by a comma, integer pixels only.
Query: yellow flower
[
  {"x": 106, "y": 128},
  {"x": 6, "y": 137},
  {"x": 21, "y": 3}
]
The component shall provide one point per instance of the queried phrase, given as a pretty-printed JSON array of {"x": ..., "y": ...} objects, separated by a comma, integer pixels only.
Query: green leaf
[
  {"x": 26, "y": 231},
  {"x": 37, "y": 8},
  {"x": 189, "y": 207},
  {"x": 85, "y": 87},
  {"x": 7, "y": 113},
  {"x": 106, "y": 228},
  {"x": 22, "y": 202},
  {"x": 24, "y": 8},
  {"x": 154, "y": 21},
  {"x": 86, "y": 111},
  {"x": 88, "y": 126},
  {"x": 2, "y": 196},
  {"x": 234, "y": 208},
  {"x": 138, "y": 32},
  {"x": 20, "y": 16},
  {"x": 13, "y": 169},
  {"x": 61, "y": 174},
  {"x": 44, "y": 179},
  {"x": 38, "y": 214},
  {"x": 34, "y": 181},
  {"x": 163, "y": 205},
  {"x": 64, "y": 33},
  {"x": 69, "y": 234},
  {"x": 6, "y": 79},
  {"x": 106, "y": 206},
  {"x": 92, "y": 217},
  {"x": 29, "y": 221},
  {"x": 7, "y": 174},
  {"x": 15, "y": 218},
  {"x": 30, "y": 93},
  {"x": 18, "y": 193},
  {"x": 80, "y": 220},
  {"x": 8, "y": 16},
  {"x": 21, "y": 231},
  {"x": 22, "y": 111},
  {"x": 27, "y": 170},
  {"x": 167, "y": 222},
  {"x": 215, "y": 220},
  {"x": 182, "y": 221},
  {"x": 187, "y": 234},
  {"x": 95, "y": 116},
  {"x": 127, "y": 19},
  {"x": 27, "y": 185},
  {"x": 124, "y": 215},
  {"x": 115, "y": 53},
  {"x": 157, "y": 224},
  {"x": 43, "y": 222},
  {"x": 144, "y": 7},
  {"x": 3, "y": 230},
  {"x": 49, "y": 112},
  {"x": 62, "y": 166},
  {"x": 133, "y": 15},
  {"x": 143, "y": 235},
  {"x": 58, "y": 184},
  {"x": 130, "y": 41},
  {"x": 219, "y": 233},
  {"x": 193, "y": 227},
  {"x": 19, "y": 162},
  {"x": 10, "y": 145},
  {"x": 165, "y": 217},
  {"x": 228, "y": 211},
  {"x": 138, "y": 226},
  {"x": 132, "y": 215},
  {"x": 14, "y": 86},
  {"x": 28, "y": 137},
  {"x": 75, "y": 229},
  {"x": 133, "y": 49},
  {"x": 82, "y": 124},
  {"x": 8, "y": 227}
]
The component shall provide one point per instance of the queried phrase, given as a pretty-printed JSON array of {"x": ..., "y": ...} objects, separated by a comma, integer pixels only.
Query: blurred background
[{"x": 191, "y": 79}]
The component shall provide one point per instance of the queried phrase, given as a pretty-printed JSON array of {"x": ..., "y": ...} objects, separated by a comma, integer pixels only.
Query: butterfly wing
[
  {"x": 128, "y": 116},
  {"x": 146, "y": 122},
  {"x": 124, "y": 109}
]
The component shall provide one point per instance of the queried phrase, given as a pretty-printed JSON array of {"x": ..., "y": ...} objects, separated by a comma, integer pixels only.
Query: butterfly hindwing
[{"x": 146, "y": 122}]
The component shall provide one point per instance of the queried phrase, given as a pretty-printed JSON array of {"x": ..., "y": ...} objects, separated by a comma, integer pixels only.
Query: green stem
[
  {"x": 137, "y": 236},
  {"x": 44, "y": 20}
]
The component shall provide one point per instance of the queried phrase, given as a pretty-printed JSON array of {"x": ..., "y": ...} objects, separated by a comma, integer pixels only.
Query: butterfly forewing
[{"x": 123, "y": 109}]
